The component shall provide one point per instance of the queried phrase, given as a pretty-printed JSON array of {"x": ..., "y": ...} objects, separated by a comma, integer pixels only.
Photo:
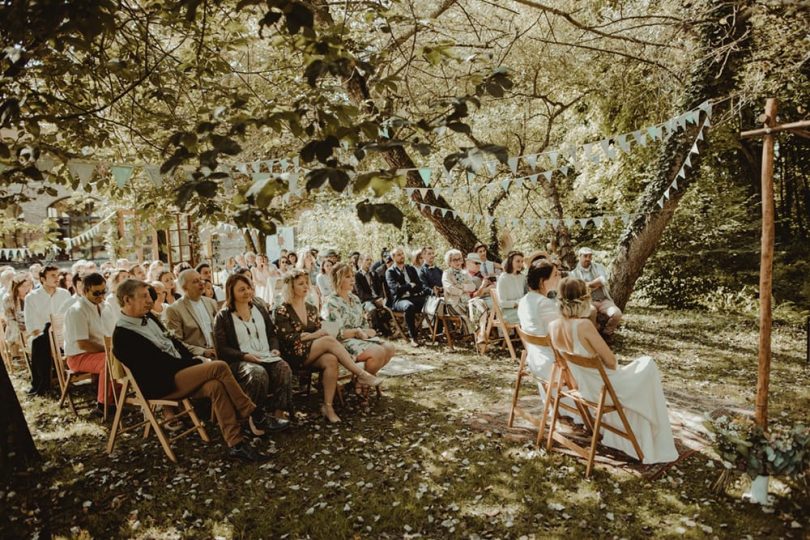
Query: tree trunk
[
  {"x": 17, "y": 448},
  {"x": 724, "y": 45},
  {"x": 453, "y": 229}
]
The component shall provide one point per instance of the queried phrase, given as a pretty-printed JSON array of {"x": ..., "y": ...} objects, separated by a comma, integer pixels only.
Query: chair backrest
[
  {"x": 58, "y": 328},
  {"x": 114, "y": 367},
  {"x": 533, "y": 339},
  {"x": 496, "y": 307},
  {"x": 587, "y": 362}
]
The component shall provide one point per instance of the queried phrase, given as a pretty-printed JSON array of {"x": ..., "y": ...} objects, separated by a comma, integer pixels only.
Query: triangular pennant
[
  {"x": 531, "y": 161},
  {"x": 513, "y": 164},
  {"x": 122, "y": 174},
  {"x": 621, "y": 140},
  {"x": 688, "y": 161},
  {"x": 533, "y": 179},
  {"x": 640, "y": 137},
  {"x": 260, "y": 176},
  {"x": 470, "y": 176},
  {"x": 555, "y": 223},
  {"x": 569, "y": 222},
  {"x": 626, "y": 218},
  {"x": 256, "y": 166},
  {"x": 597, "y": 222},
  {"x": 605, "y": 144},
  {"x": 661, "y": 202},
  {"x": 269, "y": 163},
  {"x": 423, "y": 192},
  {"x": 83, "y": 170},
  {"x": 694, "y": 149},
  {"x": 583, "y": 222},
  {"x": 547, "y": 175},
  {"x": 45, "y": 163},
  {"x": 297, "y": 161},
  {"x": 492, "y": 167},
  {"x": 153, "y": 171},
  {"x": 564, "y": 169},
  {"x": 424, "y": 172},
  {"x": 505, "y": 184},
  {"x": 284, "y": 164},
  {"x": 242, "y": 168},
  {"x": 666, "y": 193},
  {"x": 681, "y": 174},
  {"x": 700, "y": 135},
  {"x": 519, "y": 183},
  {"x": 554, "y": 158},
  {"x": 675, "y": 183},
  {"x": 587, "y": 151}
]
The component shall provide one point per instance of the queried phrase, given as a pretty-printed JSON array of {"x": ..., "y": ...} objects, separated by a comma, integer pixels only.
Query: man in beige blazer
[{"x": 191, "y": 319}]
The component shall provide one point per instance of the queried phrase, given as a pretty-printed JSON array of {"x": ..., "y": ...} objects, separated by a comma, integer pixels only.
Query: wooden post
[{"x": 766, "y": 268}]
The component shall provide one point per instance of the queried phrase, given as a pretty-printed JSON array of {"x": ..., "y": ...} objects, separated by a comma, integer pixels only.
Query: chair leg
[
  {"x": 595, "y": 438},
  {"x": 508, "y": 338},
  {"x": 628, "y": 430},
  {"x": 517, "y": 391},
  {"x": 554, "y": 387},
  {"x": 103, "y": 384},
  {"x": 546, "y": 402},
  {"x": 164, "y": 442},
  {"x": 116, "y": 426},
  {"x": 196, "y": 420},
  {"x": 66, "y": 395}
]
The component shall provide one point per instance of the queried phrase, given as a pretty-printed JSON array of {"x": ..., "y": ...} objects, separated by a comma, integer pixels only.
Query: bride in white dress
[{"x": 637, "y": 385}]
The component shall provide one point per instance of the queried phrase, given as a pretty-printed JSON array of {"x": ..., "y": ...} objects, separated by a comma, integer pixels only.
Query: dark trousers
[
  {"x": 410, "y": 306},
  {"x": 41, "y": 362}
]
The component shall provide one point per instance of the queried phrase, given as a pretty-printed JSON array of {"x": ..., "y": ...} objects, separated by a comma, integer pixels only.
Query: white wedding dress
[{"x": 638, "y": 387}]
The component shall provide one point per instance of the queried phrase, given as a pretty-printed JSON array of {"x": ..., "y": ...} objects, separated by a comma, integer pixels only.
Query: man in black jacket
[
  {"x": 407, "y": 294},
  {"x": 165, "y": 369},
  {"x": 367, "y": 288}
]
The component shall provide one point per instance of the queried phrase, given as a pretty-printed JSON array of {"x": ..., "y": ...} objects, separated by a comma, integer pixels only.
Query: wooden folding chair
[
  {"x": 453, "y": 329},
  {"x": 399, "y": 318},
  {"x": 496, "y": 321},
  {"x": 601, "y": 407},
  {"x": 65, "y": 376},
  {"x": 122, "y": 375},
  {"x": 540, "y": 422}
]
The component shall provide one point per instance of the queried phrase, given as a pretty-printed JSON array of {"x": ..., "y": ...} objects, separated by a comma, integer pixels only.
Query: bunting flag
[
  {"x": 424, "y": 172},
  {"x": 46, "y": 163},
  {"x": 121, "y": 174},
  {"x": 687, "y": 163},
  {"x": 153, "y": 172},
  {"x": 83, "y": 170}
]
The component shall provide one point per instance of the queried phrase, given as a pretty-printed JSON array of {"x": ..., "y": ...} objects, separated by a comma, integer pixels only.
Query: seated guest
[
  {"x": 179, "y": 267},
  {"x": 138, "y": 272},
  {"x": 167, "y": 278},
  {"x": 365, "y": 287},
  {"x": 191, "y": 319},
  {"x": 489, "y": 269},
  {"x": 246, "y": 339},
  {"x": 77, "y": 286},
  {"x": 416, "y": 259},
  {"x": 430, "y": 274},
  {"x": 637, "y": 385},
  {"x": 407, "y": 293},
  {"x": 511, "y": 286},
  {"x": 204, "y": 269},
  {"x": 40, "y": 304},
  {"x": 84, "y": 333},
  {"x": 305, "y": 345},
  {"x": 165, "y": 369},
  {"x": 155, "y": 269},
  {"x": 535, "y": 312},
  {"x": 208, "y": 291},
  {"x": 306, "y": 262},
  {"x": 595, "y": 276},
  {"x": 159, "y": 300},
  {"x": 110, "y": 307},
  {"x": 458, "y": 288},
  {"x": 292, "y": 259},
  {"x": 324, "y": 281},
  {"x": 481, "y": 301},
  {"x": 354, "y": 261},
  {"x": 345, "y": 310},
  {"x": 14, "y": 311}
]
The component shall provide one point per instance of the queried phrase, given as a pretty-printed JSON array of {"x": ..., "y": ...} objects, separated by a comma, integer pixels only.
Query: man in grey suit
[{"x": 191, "y": 318}]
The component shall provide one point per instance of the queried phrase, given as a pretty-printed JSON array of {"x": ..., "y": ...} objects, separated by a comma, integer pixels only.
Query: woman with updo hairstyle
[
  {"x": 637, "y": 385},
  {"x": 304, "y": 344},
  {"x": 511, "y": 286},
  {"x": 535, "y": 312}
]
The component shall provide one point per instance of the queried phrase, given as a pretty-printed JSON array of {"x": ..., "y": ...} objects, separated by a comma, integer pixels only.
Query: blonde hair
[
  {"x": 339, "y": 271},
  {"x": 287, "y": 283},
  {"x": 574, "y": 297}
]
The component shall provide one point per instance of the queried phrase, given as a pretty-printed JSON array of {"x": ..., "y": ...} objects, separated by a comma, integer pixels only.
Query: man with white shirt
[
  {"x": 191, "y": 319},
  {"x": 204, "y": 269},
  {"x": 595, "y": 276},
  {"x": 40, "y": 304},
  {"x": 85, "y": 331},
  {"x": 407, "y": 292}
]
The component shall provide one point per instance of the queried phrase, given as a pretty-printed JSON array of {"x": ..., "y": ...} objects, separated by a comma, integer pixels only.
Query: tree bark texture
[
  {"x": 724, "y": 45},
  {"x": 17, "y": 447}
]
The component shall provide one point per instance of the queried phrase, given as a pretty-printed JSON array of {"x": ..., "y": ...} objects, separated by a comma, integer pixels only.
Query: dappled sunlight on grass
[{"x": 413, "y": 464}]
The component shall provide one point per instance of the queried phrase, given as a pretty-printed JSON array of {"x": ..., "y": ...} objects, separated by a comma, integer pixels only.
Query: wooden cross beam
[{"x": 793, "y": 127}]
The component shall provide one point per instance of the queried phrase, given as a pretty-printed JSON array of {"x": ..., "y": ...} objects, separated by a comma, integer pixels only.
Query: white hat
[
  {"x": 584, "y": 251},
  {"x": 474, "y": 257}
]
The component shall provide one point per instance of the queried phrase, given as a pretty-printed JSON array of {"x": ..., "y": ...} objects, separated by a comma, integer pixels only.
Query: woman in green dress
[{"x": 344, "y": 311}]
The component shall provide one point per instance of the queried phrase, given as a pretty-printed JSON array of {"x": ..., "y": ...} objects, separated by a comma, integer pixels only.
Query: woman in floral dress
[
  {"x": 305, "y": 344},
  {"x": 345, "y": 311}
]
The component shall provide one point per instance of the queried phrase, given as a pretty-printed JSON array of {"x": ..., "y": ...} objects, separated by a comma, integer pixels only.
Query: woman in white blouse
[
  {"x": 535, "y": 311},
  {"x": 245, "y": 338},
  {"x": 324, "y": 282},
  {"x": 511, "y": 286}
]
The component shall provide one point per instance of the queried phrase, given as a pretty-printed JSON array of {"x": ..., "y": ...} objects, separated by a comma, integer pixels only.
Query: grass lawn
[{"x": 419, "y": 464}]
